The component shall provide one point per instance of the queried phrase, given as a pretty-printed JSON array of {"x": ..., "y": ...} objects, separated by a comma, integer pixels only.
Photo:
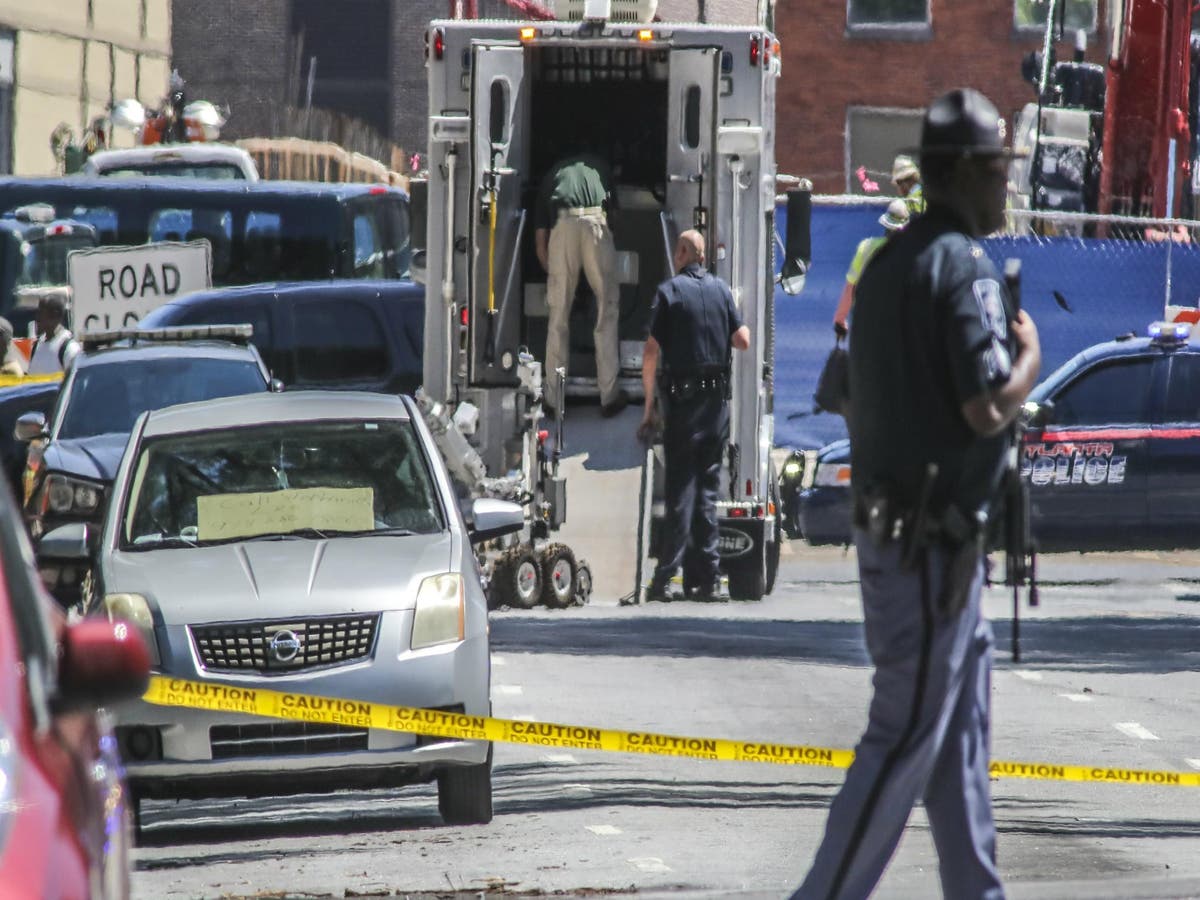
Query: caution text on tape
[{"x": 166, "y": 691}]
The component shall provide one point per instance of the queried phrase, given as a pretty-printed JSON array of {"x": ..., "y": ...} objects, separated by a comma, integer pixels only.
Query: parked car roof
[{"x": 258, "y": 409}]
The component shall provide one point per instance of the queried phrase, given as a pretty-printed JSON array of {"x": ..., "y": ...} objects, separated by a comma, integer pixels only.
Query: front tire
[
  {"x": 465, "y": 793},
  {"x": 560, "y": 572},
  {"x": 517, "y": 580}
]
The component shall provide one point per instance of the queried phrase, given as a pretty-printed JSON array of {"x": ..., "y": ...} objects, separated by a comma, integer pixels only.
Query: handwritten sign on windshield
[{"x": 224, "y": 516}]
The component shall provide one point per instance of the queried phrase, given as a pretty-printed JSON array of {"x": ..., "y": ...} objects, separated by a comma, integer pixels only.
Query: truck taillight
[
  {"x": 464, "y": 316},
  {"x": 755, "y": 49},
  {"x": 766, "y": 51},
  {"x": 439, "y": 44}
]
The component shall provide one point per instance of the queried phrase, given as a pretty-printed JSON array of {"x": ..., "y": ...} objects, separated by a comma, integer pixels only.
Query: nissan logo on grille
[{"x": 285, "y": 645}]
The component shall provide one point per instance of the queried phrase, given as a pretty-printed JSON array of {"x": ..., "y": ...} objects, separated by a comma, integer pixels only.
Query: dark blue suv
[{"x": 1111, "y": 452}]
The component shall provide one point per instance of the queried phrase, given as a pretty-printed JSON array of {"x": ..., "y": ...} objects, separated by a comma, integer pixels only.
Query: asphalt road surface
[{"x": 1108, "y": 678}]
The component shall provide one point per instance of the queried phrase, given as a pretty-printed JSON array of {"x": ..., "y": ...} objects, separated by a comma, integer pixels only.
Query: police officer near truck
[
  {"x": 694, "y": 327},
  {"x": 940, "y": 365}
]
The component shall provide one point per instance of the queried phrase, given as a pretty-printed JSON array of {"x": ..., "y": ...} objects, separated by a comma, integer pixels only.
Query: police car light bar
[
  {"x": 238, "y": 334},
  {"x": 1169, "y": 332}
]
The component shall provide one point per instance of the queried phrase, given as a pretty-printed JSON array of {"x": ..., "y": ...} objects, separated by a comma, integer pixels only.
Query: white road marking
[
  {"x": 507, "y": 690},
  {"x": 559, "y": 758},
  {"x": 499, "y": 661},
  {"x": 603, "y": 829},
  {"x": 1194, "y": 763},
  {"x": 580, "y": 789},
  {"x": 1133, "y": 729},
  {"x": 1078, "y": 698},
  {"x": 1027, "y": 675},
  {"x": 649, "y": 864}
]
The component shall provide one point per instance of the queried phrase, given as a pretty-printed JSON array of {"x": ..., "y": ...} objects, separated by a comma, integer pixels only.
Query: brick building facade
[{"x": 852, "y": 94}]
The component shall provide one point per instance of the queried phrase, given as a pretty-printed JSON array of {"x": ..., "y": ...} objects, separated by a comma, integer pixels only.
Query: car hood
[
  {"x": 266, "y": 579},
  {"x": 95, "y": 457}
]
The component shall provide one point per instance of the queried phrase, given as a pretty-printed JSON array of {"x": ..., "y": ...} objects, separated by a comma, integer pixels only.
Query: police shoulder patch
[{"x": 991, "y": 306}]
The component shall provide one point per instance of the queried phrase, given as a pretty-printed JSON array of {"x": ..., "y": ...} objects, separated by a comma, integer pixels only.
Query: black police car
[
  {"x": 119, "y": 375},
  {"x": 1111, "y": 452}
]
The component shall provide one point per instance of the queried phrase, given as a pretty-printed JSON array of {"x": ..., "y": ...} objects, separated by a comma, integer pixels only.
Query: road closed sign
[{"x": 114, "y": 287}]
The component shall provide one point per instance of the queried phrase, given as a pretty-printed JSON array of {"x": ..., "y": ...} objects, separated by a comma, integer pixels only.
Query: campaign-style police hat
[{"x": 963, "y": 122}]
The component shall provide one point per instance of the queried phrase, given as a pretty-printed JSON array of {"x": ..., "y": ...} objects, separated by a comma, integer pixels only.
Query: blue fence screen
[{"x": 1112, "y": 287}]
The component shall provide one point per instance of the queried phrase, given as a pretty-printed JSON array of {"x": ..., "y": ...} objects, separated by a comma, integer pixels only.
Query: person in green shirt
[
  {"x": 892, "y": 220},
  {"x": 572, "y": 236}
]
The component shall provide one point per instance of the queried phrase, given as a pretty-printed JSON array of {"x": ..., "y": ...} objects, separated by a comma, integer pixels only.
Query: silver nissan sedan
[{"x": 307, "y": 542}]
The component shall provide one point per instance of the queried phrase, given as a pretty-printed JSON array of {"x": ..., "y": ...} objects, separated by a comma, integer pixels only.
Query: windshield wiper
[{"x": 158, "y": 542}]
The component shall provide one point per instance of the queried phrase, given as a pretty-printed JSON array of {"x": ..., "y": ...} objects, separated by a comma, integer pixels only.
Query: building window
[
  {"x": 343, "y": 51},
  {"x": 1030, "y": 15},
  {"x": 883, "y": 17},
  {"x": 874, "y": 136}
]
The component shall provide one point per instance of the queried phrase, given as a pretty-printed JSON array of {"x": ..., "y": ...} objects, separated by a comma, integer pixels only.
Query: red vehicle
[
  {"x": 1118, "y": 138},
  {"x": 64, "y": 830}
]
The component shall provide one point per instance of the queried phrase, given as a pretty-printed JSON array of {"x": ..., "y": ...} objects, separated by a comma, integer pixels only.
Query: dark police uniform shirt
[
  {"x": 930, "y": 331},
  {"x": 693, "y": 319}
]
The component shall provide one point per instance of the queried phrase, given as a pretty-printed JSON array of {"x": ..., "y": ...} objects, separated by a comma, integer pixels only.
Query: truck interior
[{"x": 583, "y": 99}]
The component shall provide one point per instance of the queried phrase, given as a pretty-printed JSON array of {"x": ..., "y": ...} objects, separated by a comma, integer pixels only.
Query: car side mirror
[
  {"x": 1038, "y": 415},
  {"x": 276, "y": 386},
  {"x": 30, "y": 426},
  {"x": 101, "y": 663},
  {"x": 416, "y": 267},
  {"x": 67, "y": 543},
  {"x": 494, "y": 518}
]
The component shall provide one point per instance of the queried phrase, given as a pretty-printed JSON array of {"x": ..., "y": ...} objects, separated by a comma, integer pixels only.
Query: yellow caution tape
[
  {"x": 166, "y": 691},
  {"x": 13, "y": 380}
]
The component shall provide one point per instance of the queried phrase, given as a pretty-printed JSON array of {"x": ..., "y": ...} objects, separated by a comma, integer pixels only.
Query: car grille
[
  {"x": 285, "y": 646},
  {"x": 283, "y": 739}
]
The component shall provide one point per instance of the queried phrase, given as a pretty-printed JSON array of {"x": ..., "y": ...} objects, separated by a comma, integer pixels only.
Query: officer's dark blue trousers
[
  {"x": 694, "y": 437},
  {"x": 927, "y": 736}
]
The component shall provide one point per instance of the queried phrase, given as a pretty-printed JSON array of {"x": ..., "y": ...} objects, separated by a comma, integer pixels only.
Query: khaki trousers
[{"x": 582, "y": 242}]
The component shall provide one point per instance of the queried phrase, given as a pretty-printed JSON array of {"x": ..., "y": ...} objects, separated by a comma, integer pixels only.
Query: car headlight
[
  {"x": 833, "y": 475},
  {"x": 440, "y": 612},
  {"x": 133, "y": 609},
  {"x": 71, "y": 495}
]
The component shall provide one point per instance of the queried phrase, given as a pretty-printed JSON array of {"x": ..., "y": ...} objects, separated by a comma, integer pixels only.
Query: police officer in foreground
[
  {"x": 940, "y": 364},
  {"x": 693, "y": 327}
]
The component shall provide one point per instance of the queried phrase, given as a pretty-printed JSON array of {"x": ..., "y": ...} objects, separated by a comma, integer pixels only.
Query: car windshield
[
  {"x": 108, "y": 398},
  {"x": 44, "y": 262},
  {"x": 306, "y": 480},
  {"x": 212, "y": 171}
]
